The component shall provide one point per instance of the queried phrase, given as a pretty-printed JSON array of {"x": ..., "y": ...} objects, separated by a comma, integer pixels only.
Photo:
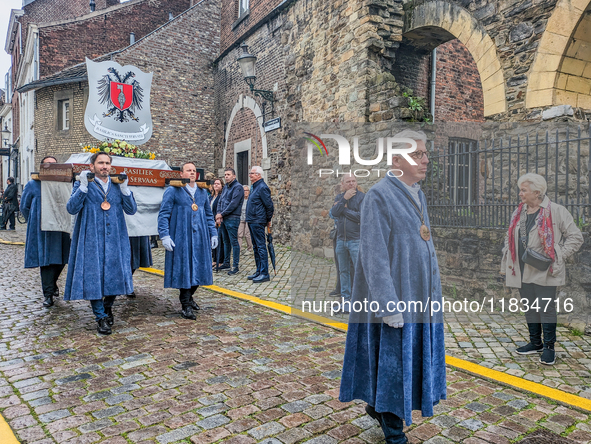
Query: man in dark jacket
[
  {"x": 347, "y": 210},
  {"x": 228, "y": 216},
  {"x": 9, "y": 204},
  {"x": 259, "y": 212}
]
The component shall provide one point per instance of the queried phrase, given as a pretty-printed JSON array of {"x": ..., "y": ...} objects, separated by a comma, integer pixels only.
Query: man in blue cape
[
  {"x": 394, "y": 354},
  {"x": 100, "y": 257},
  {"x": 47, "y": 250},
  {"x": 187, "y": 230}
]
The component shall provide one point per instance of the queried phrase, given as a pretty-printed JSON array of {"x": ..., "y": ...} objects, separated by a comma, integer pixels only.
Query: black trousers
[
  {"x": 49, "y": 276},
  {"x": 8, "y": 218},
  {"x": 541, "y": 316},
  {"x": 186, "y": 295}
]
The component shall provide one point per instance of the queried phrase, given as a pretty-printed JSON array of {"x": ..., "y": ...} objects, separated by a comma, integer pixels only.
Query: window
[
  {"x": 63, "y": 110},
  {"x": 242, "y": 7},
  {"x": 462, "y": 170}
]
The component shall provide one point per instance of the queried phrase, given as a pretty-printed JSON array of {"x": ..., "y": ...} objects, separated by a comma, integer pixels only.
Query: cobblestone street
[{"x": 242, "y": 373}]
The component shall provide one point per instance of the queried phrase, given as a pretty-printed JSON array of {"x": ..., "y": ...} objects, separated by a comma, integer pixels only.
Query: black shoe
[
  {"x": 371, "y": 412},
  {"x": 48, "y": 302},
  {"x": 103, "y": 327},
  {"x": 224, "y": 267},
  {"x": 261, "y": 278},
  {"x": 233, "y": 271},
  {"x": 110, "y": 319},
  {"x": 548, "y": 356},
  {"x": 254, "y": 275},
  {"x": 131, "y": 295},
  {"x": 529, "y": 349},
  {"x": 187, "y": 313},
  {"x": 336, "y": 294},
  {"x": 194, "y": 305},
  {"x": 56, "y": 293}
]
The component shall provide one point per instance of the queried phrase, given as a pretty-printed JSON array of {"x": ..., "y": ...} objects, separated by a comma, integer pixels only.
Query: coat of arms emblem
[{"x": 121, "y": 97}]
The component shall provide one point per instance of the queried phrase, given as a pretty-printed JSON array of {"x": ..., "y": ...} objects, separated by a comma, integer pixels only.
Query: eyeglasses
[
  {"x": 252, "y": 173},
  {"x": 418, "y": 155}
]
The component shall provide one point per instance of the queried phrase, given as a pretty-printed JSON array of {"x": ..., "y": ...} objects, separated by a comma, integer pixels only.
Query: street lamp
[
  {"x": 247, "y": 64},
  {"x": 5, "y": 136}
]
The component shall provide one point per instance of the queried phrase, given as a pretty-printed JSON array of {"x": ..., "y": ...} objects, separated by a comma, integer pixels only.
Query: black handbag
[
  {"x": 531, "y": 257},
  {"x": 333, "y": 234},
  {"x": 536, "y": 260}
]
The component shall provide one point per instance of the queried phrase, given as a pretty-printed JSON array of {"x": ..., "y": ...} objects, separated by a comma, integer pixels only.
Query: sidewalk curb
[
  {"x": 6, "y": 434},
  {"x": 562, "y": 397},
  {"x": 2, "y": 241}
]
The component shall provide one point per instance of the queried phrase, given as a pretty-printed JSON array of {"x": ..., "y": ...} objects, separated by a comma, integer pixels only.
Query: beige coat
[{"x": 567, "y": 241}]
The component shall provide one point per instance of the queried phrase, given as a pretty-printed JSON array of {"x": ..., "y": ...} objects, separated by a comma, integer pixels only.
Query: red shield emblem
[{"x": 121, "y": 95}]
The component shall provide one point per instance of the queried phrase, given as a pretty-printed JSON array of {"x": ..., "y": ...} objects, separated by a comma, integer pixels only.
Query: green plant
[
  {"x": 581, "y": 223},
  {"x": 418, "y": 108},
  {"x": 576, "y": 332}
]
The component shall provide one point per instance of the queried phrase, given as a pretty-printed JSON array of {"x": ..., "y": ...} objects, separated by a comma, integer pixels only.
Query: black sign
[
  {"x": 272, "y": 124},
  {"x": 4, "y": 151}
]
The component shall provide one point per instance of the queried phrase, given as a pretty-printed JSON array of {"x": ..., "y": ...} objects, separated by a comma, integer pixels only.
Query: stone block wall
[{"x": 65, "y": 44}]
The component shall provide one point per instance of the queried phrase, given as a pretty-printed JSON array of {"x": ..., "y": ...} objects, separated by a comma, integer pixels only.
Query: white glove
[
  {"x": 394, "y": 321},
  {"x": 167, "y": 243},
  {"x": 84, "y": 181},
  {"x": 214, "y": 242},
  {"x": 124, "y": 188}
]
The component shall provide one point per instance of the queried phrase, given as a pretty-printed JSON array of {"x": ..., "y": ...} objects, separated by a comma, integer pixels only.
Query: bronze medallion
[
  {"x": 425, "y": 234},
  {"x": 194, "y": 207},
  {"x": 105, "y": 205}
]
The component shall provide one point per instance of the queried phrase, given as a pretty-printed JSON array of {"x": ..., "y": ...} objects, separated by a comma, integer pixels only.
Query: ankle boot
[{"x": 48, "y": 302}]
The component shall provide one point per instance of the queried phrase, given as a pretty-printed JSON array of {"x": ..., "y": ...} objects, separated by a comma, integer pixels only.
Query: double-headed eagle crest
[{"x": 121, "y": 95}]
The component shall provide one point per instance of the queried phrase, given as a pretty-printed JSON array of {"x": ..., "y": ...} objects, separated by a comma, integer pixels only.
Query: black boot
[
  {"x": 187, "y": 313},
  {"x": 392, "y": 426},
  {"x": 48, "y": 302},
  {"x": 194, "y": 305},
  {"x": 103, "y": 327},
  {"x": 110, "y": 318}
]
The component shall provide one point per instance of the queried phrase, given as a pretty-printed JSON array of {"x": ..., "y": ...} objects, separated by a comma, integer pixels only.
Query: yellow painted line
[
  {"x": 6, "y": 433},
  {"x": 2, "y": 241},
  {"x": 467, "y": 366},
  {"x": 153, "y": 271},
  {"x": 523, "y": 384}
]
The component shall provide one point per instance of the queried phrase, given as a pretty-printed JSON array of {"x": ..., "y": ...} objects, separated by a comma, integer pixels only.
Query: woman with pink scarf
[{"x": 542, "y": 234}]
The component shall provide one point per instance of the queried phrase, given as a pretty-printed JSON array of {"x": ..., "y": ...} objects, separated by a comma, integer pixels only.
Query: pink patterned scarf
[{"x": 545, "y": 231}]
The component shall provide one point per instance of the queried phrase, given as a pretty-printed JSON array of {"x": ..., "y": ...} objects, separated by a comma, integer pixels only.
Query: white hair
[
  {"x": 257, "y": 169},
  {"x": 408, "y": 134},
  {"x": 536, "y": 183}
]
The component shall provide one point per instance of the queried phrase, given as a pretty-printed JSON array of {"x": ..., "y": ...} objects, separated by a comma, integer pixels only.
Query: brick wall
[
  {"x": 64, "y": 45},
  {"x": 46, "y": 11},
  {"x": 231, "y": 30},
  {"x": 413, "y": 69},
  {"x": 182, "y": 98},
  {"x": 458, "y": 92},
  {"x": 52, "y": 141}
]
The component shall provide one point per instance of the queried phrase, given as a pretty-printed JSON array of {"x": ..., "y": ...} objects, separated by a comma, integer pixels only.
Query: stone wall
[
  {"x": 66, "y": 44},
  {"x": 182, "y": 99},
  {"x": 469, "y": 262}
]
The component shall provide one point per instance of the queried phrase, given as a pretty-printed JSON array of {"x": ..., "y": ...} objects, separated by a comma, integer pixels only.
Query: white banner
[{"x": 111, "y": 134}]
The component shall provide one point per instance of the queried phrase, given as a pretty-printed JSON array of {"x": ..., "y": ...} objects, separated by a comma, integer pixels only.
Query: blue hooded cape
[
  {"x": 189, "y": 264},
  {"x": 395, "y": 370},
  {"x": 100, "y": 255},
  {"x": 141, "y": 252},
  {"x": 42, "y": 248}
]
